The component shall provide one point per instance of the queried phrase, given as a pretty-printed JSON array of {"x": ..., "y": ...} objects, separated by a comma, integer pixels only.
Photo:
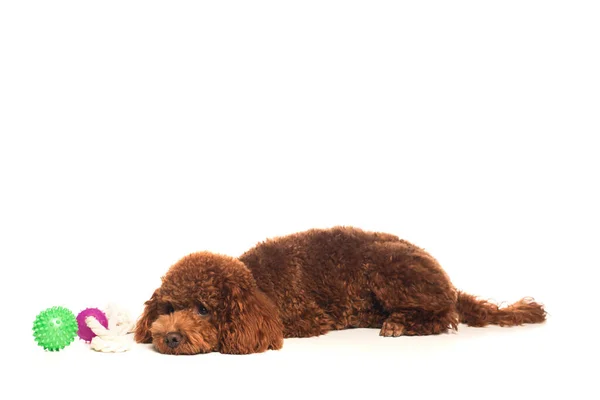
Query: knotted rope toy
[{"x": 113, "y": 339}]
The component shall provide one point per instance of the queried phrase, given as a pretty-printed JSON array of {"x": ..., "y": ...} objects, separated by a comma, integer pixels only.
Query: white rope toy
[{"x": 115, "y": 339}]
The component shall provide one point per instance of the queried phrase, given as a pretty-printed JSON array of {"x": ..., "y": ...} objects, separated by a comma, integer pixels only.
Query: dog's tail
[{"x": 477, "y": 312}]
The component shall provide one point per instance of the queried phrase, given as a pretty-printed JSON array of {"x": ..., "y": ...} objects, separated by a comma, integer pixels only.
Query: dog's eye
[
  {"x": 201, "y": 310},
  {"x": 169, "y": 309}
]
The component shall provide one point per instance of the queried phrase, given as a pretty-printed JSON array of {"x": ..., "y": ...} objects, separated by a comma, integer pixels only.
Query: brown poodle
[{"x": 307, "y": 284}]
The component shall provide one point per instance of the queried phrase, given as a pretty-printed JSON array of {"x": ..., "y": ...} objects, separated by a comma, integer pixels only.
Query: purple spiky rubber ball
[{"x": 84, "y": 331}]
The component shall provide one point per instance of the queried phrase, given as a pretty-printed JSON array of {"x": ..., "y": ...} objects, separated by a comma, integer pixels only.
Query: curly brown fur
[
  {"x": 307, "y": 284},
  {"x": 213, "y": 303},
  {"x": 477, "y": 312}
]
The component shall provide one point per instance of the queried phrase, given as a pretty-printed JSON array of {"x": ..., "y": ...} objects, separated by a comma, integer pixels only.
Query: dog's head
[{"x": 209, "y": 302}]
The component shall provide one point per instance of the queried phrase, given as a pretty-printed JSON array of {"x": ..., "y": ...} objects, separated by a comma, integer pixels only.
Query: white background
[{"x": 134, "y": 133}]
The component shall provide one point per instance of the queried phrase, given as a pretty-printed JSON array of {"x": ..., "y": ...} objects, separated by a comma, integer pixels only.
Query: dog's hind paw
[{"x": 391, "y": 329}]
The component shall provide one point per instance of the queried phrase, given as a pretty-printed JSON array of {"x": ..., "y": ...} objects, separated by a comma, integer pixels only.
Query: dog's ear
[
  {"x": 150, "y": 314},
  {"x": 250, "y": 322}
]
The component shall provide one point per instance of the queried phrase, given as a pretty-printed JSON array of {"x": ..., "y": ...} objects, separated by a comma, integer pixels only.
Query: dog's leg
[
  {"x": 419, "y": 322},
  {"x": 306, "y": 322},
  {"x": 412, "y": 289}
]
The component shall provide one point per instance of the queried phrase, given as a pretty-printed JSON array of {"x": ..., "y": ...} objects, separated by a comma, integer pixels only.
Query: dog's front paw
[{"x": 391, "y": 329}]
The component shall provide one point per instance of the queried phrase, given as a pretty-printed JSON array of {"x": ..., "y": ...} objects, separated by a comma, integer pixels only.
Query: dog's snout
[{"x": 173, "y": 339}]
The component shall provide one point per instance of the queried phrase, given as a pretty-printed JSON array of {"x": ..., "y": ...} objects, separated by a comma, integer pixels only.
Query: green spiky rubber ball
[{"x": 55, "y": 328}]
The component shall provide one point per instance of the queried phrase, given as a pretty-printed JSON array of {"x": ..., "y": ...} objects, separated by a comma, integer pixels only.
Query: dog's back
[{"x": 319, "y": 279}]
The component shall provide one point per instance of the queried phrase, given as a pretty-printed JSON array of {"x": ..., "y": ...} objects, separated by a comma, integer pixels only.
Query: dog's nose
[{"x": 173, "y": 339}]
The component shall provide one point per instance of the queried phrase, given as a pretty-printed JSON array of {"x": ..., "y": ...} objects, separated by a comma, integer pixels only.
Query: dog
[{"x": 307, "y": 284}]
